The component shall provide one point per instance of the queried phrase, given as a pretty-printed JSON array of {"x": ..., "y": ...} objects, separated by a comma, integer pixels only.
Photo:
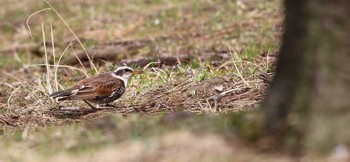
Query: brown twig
[{"x": 6, "y": 122}]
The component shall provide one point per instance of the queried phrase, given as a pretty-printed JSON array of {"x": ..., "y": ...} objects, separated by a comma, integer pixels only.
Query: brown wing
[{"x": 98, "y": 86}]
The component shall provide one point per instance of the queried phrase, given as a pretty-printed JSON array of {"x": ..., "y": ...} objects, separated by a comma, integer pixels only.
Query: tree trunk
[{"x": 308, "y": 104}]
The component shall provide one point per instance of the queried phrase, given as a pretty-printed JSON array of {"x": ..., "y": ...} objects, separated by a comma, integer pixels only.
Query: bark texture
[{"x": 309, "y": 99}]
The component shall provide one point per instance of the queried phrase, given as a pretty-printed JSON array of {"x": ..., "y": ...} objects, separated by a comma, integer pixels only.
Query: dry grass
[
  {"x": 188, "y": 86},
  {"x": 219, "y": 48}
]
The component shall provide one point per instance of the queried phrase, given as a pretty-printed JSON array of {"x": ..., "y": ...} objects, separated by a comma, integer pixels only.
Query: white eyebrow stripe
[
  {"x": 121, "y": 78},
  {"x": 123, "y": 68}
]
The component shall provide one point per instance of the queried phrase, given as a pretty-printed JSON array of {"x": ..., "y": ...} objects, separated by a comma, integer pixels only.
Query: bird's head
[{"x": 125, "y": 72}]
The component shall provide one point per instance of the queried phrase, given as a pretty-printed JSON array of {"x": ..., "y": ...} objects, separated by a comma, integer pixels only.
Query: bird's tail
[{"x": 61, "y": 95}]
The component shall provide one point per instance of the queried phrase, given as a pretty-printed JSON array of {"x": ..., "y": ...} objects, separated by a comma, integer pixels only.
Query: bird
[{"x": 100, "y": 89}]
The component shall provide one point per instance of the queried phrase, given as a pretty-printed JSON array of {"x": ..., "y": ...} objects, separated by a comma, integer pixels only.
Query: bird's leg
[
  {"x": 110, "y": 105},
  {"x": 92, "y": 107}
]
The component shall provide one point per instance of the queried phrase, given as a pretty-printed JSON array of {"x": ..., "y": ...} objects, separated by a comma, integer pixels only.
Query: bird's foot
[
  {"x": 93, "y": 108},
  {"x": 111, "y": 105}
]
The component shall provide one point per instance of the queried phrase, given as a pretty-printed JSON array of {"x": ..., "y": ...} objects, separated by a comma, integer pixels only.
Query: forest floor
[{"x": 202, "y": 61}]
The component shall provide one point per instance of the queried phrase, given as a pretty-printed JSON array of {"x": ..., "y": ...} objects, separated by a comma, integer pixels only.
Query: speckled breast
[{"x": 108, "y": 99}]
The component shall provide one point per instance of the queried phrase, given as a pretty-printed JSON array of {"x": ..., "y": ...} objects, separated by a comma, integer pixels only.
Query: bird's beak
[{"x": 137, "y": 72}]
